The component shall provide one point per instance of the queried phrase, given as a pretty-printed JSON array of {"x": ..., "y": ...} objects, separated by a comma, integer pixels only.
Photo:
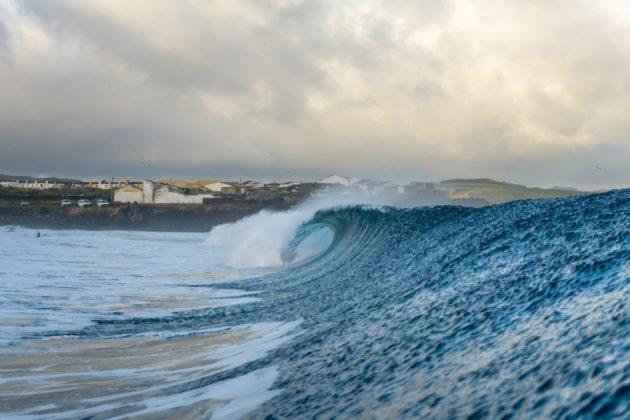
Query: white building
[
  {"x": 391, "y": 187},
  {"x": 252, "y": 185},
  {"x": 336, "y": 179},
  {"x": 219, "y": 186},
  {"x": 289, "y": 184},
  {"x": 368, "y": 188},
  {"x": 39, "y": 184},
  {"x": 104, "y": 184},
  {"x": 156, "y": 193}
]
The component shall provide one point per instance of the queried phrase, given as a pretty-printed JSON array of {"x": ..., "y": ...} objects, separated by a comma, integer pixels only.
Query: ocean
[{"x": 517, "y": 310}]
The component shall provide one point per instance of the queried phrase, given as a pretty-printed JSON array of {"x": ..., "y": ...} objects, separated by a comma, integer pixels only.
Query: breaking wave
[{"x": 520, "y": 309}]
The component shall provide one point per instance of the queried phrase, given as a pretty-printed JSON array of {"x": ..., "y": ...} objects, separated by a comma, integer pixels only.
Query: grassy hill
[
  {"x": 500, "y": 192},
  {"x": 4, "y": 177}
]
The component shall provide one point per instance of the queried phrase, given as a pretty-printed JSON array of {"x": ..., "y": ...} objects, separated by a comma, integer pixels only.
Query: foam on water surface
[
  {"x": 54, "y": 286},
  {"x": 519, "y": 310}
]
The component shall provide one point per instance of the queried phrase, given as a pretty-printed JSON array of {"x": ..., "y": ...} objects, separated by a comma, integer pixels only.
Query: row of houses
[
  {"x": 56, "y": 184},
  {"x": 53, "y": 183},
  {"x": 202, "y": 185},
  {"x": 170, "y": 191},
  {"x": 37, "y": 184},
  {"x": 154, "y": 192},
  {"x": 174, "y": 191}
]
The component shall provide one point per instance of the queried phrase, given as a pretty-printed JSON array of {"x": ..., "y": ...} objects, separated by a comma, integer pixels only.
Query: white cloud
[{"x": 422, "y": 89}]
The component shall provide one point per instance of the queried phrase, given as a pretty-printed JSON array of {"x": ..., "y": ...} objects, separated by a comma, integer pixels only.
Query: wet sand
[{"x": 116, "y": 376}]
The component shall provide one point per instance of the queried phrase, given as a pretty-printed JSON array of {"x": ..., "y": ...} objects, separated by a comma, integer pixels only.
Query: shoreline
[
  {"x": 140, "y": 217},
  {"x": 158, "y": 217}
]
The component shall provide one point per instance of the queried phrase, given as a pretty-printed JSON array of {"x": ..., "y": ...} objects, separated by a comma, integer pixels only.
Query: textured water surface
[{"x": 515, "y": 310}]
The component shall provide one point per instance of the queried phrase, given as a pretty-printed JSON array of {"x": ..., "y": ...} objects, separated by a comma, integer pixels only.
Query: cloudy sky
[{"x": 534, "y": 92}]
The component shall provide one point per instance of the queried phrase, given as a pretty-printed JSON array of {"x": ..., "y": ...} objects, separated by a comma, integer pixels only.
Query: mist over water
[
  {"x": 330, "y": 309},
  {"x": 260, "y": 240}
]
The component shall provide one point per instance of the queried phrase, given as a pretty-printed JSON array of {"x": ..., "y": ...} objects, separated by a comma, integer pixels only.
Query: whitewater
[{"x": 331, "y": 309}]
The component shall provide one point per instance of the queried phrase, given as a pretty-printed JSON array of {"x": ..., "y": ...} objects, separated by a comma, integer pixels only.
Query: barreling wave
[{"x": 520, "y": 309}]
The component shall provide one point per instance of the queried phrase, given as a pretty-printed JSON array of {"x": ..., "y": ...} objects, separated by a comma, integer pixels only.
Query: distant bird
[{"x": 598, "y": 168}]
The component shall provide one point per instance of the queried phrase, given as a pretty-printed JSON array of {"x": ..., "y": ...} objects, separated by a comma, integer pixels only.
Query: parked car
[
  {"x": 84, "y": 203},
  {"x": 101, "y": 202},
  {"x": 25, "y": 203},
  {"x": 66, "y": 203}
]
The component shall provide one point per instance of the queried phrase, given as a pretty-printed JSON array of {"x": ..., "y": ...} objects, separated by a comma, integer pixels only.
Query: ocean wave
[
  {"x": 515, "y": 310},
  {"x": 520, "y": 309}
]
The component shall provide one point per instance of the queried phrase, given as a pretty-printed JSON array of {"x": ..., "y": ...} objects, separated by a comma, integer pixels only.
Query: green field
[{"x": 500, "y": 192}]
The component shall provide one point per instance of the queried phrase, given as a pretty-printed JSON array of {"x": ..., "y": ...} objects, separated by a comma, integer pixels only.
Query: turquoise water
[{"x": 519, "y": 310}]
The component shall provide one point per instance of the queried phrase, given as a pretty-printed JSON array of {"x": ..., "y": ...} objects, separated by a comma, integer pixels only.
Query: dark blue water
[{"x": 518, "y": 310}]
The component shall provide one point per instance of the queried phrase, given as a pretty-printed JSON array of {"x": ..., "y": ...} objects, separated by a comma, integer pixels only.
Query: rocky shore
[{"x": 164, "y": 217}]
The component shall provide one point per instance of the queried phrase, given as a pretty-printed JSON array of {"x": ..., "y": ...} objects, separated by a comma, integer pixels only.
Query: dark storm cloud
[{"x": 401, "y": 89}]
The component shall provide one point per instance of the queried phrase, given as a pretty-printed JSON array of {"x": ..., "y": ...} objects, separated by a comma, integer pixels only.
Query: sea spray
[
  {"x": 512, "y": 311},
  {"x": 261, "y": 240}
]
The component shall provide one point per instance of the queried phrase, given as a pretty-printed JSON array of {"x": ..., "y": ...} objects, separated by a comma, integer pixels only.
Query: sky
[{"x": 534, "y": 92}]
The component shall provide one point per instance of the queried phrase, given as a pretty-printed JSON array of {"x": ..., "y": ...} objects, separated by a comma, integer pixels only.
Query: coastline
[
  {"x": 162, "y": 217},
  {"x": 142, "y": 217}
]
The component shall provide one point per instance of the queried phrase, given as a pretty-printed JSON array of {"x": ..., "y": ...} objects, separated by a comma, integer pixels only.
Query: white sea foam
[
  {"x": 64, "y": 280},
  {"x": 61, "y": 281},
  {"x": 257, "y": 241}
]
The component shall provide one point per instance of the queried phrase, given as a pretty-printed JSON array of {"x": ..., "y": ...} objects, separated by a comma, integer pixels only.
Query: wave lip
[
  {"x": 518, "y": 310},
  {"x": 266, "y": 239},
  {"x": 514, "y": 310}
]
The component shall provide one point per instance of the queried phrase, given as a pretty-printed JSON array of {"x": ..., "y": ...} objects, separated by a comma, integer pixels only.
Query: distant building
[
  {"x": 220, "y": 187},
  {"x": 175, "y": 183},
  {"x": 252, "y": 185},
  {"x": 101, "y": 185},
  {"x": 390, "y": 188},
  {"x": 153, "y": 192},
  {"x": 336, "y": 179},
  {"x": 272, "y": 186},
  {"x": 40, "y": 184},
  {"x": 129, "y": 194},
  {"x": 199, "y": 183},
  {"x": 289, "y": 184},
  {"x": 367, "y": 187}
]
